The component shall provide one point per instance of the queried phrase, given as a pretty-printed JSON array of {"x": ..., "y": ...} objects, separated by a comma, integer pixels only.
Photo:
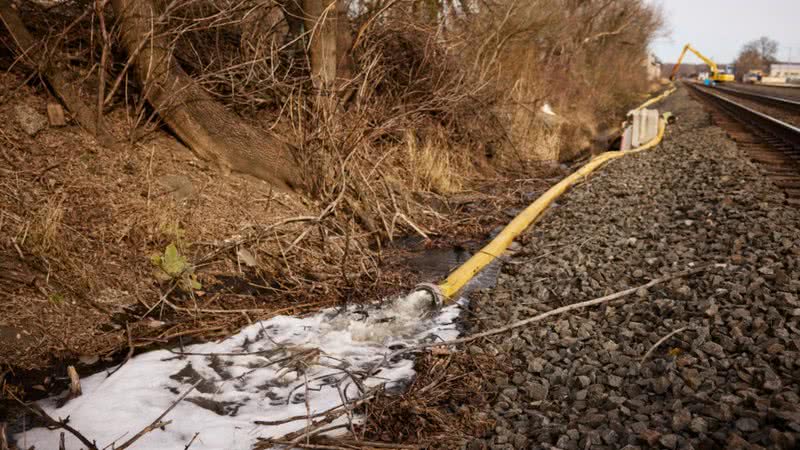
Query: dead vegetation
[
  {"x": 445, "y": 407},
  {"x": 425, "y": 103}
]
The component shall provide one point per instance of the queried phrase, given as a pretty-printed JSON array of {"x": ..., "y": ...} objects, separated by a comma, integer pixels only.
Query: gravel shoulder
[{"x": 731, "y": 379}]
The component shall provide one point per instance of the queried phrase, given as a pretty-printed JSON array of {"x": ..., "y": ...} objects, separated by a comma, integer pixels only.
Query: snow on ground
[{"x": 270, "y": 371}]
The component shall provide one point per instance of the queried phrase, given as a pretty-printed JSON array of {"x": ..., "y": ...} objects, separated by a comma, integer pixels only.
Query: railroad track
[
  {"x": 770, "y": 142},
  {"x": 788, "y": 105}
]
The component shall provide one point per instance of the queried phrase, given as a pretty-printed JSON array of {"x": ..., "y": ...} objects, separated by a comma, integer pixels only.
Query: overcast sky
[{"x": 719, "y": 28}]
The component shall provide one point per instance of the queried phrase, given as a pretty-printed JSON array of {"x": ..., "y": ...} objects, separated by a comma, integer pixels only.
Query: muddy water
[{"x": 435, "y": 264}]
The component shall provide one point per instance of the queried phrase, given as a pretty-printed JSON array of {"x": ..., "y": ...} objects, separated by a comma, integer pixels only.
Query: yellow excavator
[{"x": 716, "y": 75}]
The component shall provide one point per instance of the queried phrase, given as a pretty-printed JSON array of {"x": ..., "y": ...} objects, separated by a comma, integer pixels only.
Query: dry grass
[
  {"x": 446, "y": 406},
  {"x": 45, "y": 228},
  {"x": 429, "y": 168}
]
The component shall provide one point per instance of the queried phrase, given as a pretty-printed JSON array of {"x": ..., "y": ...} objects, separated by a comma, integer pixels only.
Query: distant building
[
  {"x": 653, "y": 67},
  {"x": 787, "y": 71}
]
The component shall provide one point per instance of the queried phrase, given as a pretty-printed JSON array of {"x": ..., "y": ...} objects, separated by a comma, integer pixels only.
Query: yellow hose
[
  {"x": 666, "y": 94},
  {"x": 461, "y": 276}
]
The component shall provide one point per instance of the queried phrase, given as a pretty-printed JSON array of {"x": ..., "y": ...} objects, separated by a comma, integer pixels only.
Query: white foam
[{"x": 287, "y": 359}]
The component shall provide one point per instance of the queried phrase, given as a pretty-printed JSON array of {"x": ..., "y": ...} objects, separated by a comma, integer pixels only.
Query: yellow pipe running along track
[{"x": 448, "y": 289}]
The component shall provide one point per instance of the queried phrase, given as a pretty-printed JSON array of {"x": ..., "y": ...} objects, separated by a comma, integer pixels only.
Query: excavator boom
[{"x": 715, "y": 74}]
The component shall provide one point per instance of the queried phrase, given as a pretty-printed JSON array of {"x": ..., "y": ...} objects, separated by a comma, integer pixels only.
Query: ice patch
[{"x": 271, "y": 371}]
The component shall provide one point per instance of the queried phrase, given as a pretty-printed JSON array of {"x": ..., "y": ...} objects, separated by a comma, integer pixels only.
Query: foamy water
[{"x": 274, "y": 370}]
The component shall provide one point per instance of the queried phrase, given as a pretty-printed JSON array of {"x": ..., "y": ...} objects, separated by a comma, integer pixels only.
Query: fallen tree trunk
[
  {"x": 68, "y": 92},
  {"x": 211, "y": 131}
]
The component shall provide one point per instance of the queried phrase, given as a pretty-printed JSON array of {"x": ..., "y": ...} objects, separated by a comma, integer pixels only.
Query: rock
[
  {"x": 614, "y": 381},
  {"x": 638, "y": 427},
  {"x": 30, "y": 120},
  {"x": 537, "y": 391},
  {"x": 584, "y": 380},
  {"x": 661, "y": 384},
  {"x": 782, "y": 440},
  {"x": 88, "y": 359},
  {"x": 501, "y": 438},
  {"x": 536, "y": 365},
  {"x": 772, "y": 383},
  {"x": 692, "y": 378},
  {"x": 565, "y": 442},
  {"x": 476, "y": 444},
  {"x": 681, "y": 419},
  {"x": 520, "y": 441},
  {"x": 593, "y": 420},
  {"x": 713, "y": 349},
  {"x": 669, "y": 440},
  {"x": 55, "y": 115},
  {"x": 736, "y": 442},
  {"x": 610, "y": 437},
  {"x": 511, "y": 393},
  {"x": 775, "y": 348},
  {"x": 747, "y": 424},
  {"x": 699, "y": 425},
  {"x": 650, "y": 437}
]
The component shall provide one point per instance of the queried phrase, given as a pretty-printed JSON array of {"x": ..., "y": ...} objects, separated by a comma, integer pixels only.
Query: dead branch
[
  {"x": 606, "y": 34},
  {"x": 130, "y": 350},
  {"x": 554, "y": 312},
  {"x": 49, "y": 421},
  {"x": 157, "y": 423},
  {"x": 3, "y": 437},
  {"x": 74, "y": 382},
  {"x": 661, "y": 341},
  {"x": 189, "y": 444},
  {"x": 373, "y": 444}
]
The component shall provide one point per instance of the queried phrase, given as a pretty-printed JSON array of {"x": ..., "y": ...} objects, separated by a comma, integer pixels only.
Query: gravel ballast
[{"x": 728, "y": 380}]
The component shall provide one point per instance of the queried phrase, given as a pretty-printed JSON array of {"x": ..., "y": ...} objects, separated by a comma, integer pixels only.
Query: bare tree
[
  {"x": 757, "y": 54},
  {"x": 329, "y": 40},
  {"x": 206, "y": 126},
  {"x": 768, "y": 49}
]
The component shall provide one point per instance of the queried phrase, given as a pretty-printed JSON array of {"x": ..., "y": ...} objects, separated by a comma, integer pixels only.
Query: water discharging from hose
[{"x": 279, "y": 371}]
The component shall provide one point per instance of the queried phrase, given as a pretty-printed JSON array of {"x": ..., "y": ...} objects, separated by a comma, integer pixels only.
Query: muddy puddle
[{"x": 434, "y": 264}]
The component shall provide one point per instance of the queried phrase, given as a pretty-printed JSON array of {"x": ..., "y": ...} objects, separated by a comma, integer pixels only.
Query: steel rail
[
  {"x": 775, "y": 132},
  {"x": 786, "y": 104}
]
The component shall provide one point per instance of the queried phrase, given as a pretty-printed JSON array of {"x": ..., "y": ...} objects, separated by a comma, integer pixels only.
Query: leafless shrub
[{"x": 435, "y": 96}]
